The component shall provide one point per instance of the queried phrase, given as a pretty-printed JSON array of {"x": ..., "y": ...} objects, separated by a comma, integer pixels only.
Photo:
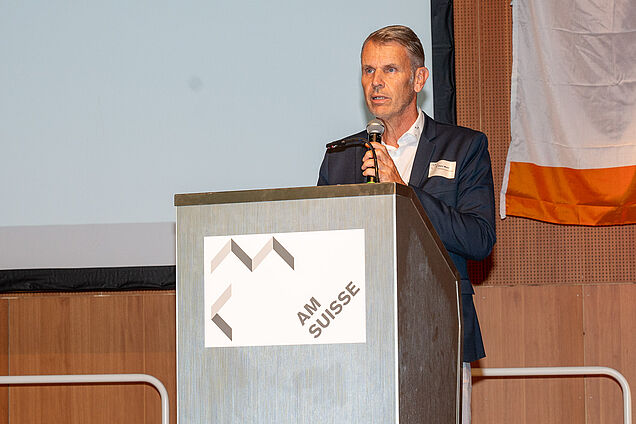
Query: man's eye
[
  {"x": 391, "y": 70},
  {"x": 368, "y": 70}
]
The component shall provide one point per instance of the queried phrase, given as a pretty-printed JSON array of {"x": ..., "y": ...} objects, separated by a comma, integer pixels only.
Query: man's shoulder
[
  {"x": 443, "y": 129},
  {"x": 453, "y": 142},
  {"x": 362, "y": 135}
]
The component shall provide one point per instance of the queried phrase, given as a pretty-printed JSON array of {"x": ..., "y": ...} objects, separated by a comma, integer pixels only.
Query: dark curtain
[
  {"x": 88, "y": 279},
  {"x": 443, "y": 61}
]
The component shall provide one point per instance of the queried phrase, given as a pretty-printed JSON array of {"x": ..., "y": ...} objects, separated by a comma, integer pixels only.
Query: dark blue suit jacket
[{"x": 461, "y": 209}]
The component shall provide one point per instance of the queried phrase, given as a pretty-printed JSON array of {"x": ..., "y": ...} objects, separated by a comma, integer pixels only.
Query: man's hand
[{"x": 387, "y": 171}]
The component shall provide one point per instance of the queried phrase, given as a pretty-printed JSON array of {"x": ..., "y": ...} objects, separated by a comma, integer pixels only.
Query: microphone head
[{"x": 375, "y": 126}]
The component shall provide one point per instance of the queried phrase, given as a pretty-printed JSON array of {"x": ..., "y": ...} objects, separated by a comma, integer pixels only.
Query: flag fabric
[{"x": 572, "y": 156}]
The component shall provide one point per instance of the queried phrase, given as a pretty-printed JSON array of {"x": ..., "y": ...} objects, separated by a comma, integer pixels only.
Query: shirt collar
[{"x": 416, "y": 129}]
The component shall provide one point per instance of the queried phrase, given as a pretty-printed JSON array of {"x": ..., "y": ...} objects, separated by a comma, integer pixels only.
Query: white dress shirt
[{"x": 404, "y": 154}]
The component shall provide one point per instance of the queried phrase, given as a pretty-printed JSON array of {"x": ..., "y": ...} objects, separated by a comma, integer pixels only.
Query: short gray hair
[{"x": 402, "y": 35}]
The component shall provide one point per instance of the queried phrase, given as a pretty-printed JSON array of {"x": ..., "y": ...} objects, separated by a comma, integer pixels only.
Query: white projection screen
[{"x": 107, "y": 109}]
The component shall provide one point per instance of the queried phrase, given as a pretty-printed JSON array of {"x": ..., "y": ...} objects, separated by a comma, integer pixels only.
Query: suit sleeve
[
  {"x": 466, "y": 228},
  {"x": 323, "y": 174}
]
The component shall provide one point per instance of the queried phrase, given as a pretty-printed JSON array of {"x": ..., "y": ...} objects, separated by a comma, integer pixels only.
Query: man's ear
[{"x": 421, "y": 75}]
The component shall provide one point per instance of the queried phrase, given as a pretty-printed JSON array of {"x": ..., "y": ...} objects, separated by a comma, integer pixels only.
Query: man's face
[{"x": 390, "y": 87}]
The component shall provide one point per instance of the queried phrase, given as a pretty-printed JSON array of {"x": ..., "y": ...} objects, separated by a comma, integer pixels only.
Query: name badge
[{"x": 442, "y": 168}]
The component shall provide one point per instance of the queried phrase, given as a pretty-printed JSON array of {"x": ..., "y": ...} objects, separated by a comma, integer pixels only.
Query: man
[{"x": 447, "y": 166}]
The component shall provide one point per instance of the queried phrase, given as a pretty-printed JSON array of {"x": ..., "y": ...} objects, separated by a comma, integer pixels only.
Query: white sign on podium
[{"x": 284, "y": 289}]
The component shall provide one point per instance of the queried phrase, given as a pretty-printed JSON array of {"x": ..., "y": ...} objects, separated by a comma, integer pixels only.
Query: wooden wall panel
[
  {"x": 89, "y": 334},
  {"x": 4, "y": 359},
  {"x": 467, "y": 66},
  {"x": 525, "y": 327},
  {"x": 160, "y": 352},
  {"x": 610, "y": 340}
]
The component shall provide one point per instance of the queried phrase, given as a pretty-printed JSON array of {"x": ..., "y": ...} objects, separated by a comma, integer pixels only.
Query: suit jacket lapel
[{"x": 425, "y": 149}]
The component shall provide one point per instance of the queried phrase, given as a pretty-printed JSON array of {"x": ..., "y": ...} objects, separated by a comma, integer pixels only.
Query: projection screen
[{"x": 110, "y": 108}]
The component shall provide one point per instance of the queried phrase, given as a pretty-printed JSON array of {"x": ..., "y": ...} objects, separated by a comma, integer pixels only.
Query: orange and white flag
[{"x": 572, "y": 156}]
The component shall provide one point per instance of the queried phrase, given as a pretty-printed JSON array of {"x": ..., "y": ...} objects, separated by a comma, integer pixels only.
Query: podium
[{"x": 246, "y": 352}]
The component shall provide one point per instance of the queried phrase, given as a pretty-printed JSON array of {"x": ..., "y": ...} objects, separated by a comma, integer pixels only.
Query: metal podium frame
[{"x": 409, "y": 369}]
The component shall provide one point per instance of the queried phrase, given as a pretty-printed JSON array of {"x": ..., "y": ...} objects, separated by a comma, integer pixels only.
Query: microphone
[{"x": 375, "y": 129}]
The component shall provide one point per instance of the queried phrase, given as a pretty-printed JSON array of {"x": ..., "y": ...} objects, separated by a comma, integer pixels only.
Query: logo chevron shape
[
  {"x": 216, "y": 318},
  {"x": 272, "y": 245},
  {"x": 251, "y": 264}
]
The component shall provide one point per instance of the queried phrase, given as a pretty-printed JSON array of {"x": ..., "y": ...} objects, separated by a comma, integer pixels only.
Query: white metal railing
[
  {"x": 561, "y": 371},
  {"x": 95, "y": 378}
]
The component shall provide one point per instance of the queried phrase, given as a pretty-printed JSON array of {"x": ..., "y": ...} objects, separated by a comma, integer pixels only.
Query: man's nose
[{"x": 377, "y": 81}]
